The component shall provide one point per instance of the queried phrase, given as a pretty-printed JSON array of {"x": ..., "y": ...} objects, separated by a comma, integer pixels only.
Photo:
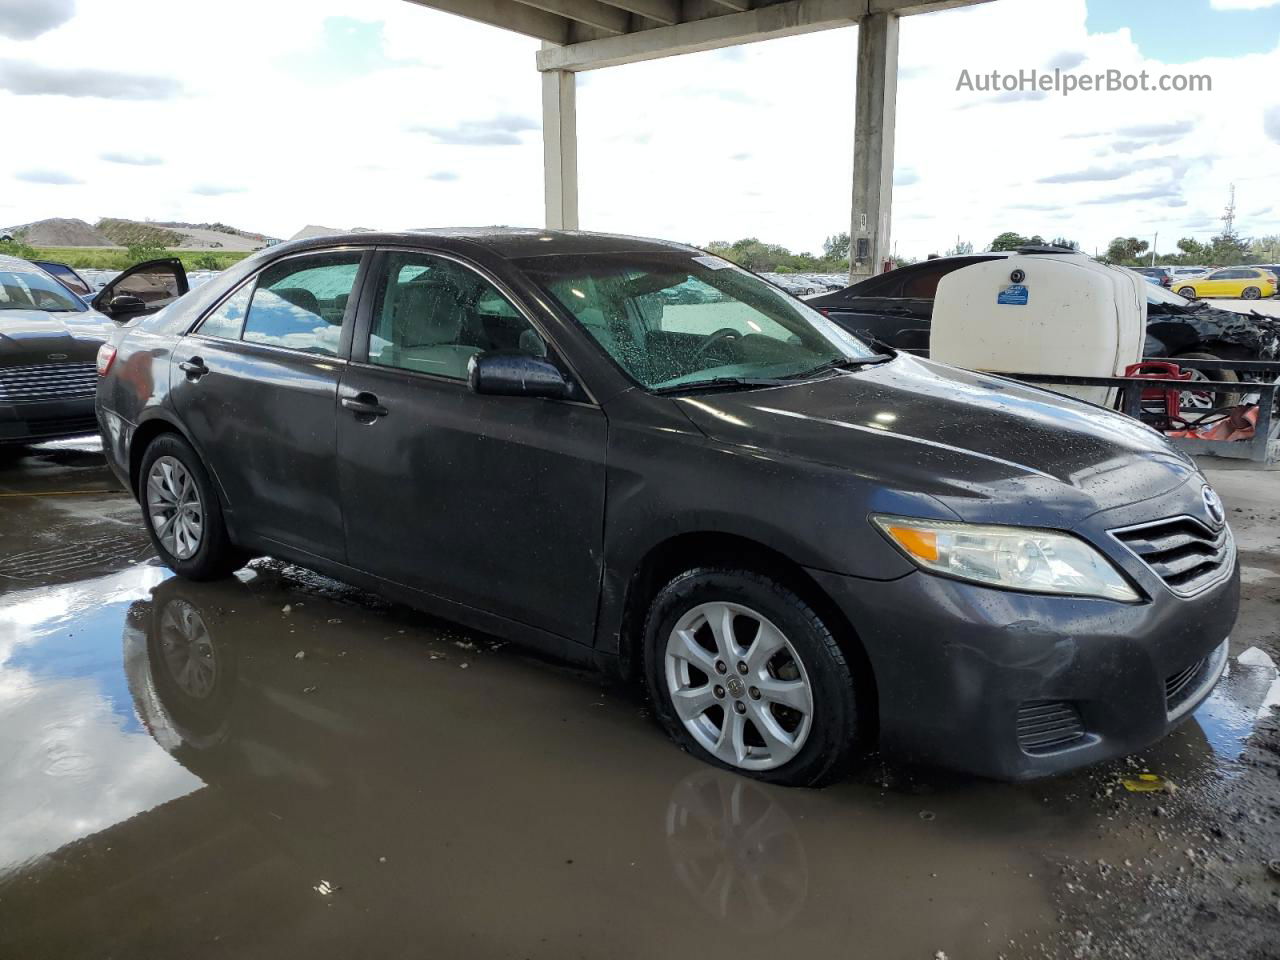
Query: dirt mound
[
  {"x": 61, "y": 232},
  {"x": 126, "y": 233}
]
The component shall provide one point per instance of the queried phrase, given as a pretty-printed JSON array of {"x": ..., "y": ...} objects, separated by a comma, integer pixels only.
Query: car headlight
[{"x": 1015, "y": 558}]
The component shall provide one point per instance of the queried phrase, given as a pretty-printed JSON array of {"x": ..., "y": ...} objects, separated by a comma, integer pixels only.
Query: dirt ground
[{"x": 280, "y": 766}]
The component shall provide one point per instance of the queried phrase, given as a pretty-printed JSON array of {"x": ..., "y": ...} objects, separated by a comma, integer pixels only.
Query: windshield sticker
[
  {"x": 713, "y": 263},
  {"x": 1013, "y": 296}
]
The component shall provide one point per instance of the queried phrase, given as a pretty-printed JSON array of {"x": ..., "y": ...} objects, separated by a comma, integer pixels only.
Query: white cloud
[{"x": 709, "y": 146}]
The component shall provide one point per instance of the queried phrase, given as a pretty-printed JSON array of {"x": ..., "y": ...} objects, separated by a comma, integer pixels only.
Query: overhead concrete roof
[{"x": 597, "y": 33}]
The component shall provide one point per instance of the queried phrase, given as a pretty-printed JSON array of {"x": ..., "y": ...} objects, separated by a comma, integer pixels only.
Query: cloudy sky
[{"x": 379, "y": 113}]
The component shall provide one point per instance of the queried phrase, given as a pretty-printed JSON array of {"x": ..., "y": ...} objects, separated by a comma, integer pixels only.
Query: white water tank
[{"x": 1042, "y": 313}]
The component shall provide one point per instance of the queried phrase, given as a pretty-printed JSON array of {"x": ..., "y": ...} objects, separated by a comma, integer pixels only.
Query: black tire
[
  {"x": 1251, "y": 293},
  {"x": 216, "y": 556},
  {"x": 833, "y": 736},
  {"x": 1188, "y": 292},
  {"x": 1220, "y": 400}
]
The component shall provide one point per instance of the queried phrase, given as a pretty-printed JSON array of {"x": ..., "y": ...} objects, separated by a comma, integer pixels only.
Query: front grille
[
  {"x": 19, "y": 430},
  {"x": 48, "y": 381},
  {"x": 1044, "y": 726},
  {"x": 1183, "y": 552}
]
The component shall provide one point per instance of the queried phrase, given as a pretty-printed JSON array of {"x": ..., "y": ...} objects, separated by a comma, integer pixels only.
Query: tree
[
  {"x": 1194, "y": 253},
  {"x": 17, "y": 247},
  {"x": 1265, "y": 249},
  {"x": 837, "y": 247},
  {"x": 1064, "y": 243},
  {"x": 1009, "y": 241},
  {"x": 1126, "y": 250},
  {"x": 962, "y": 249}
]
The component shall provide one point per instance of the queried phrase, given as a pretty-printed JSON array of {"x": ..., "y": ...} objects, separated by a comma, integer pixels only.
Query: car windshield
[
  {"x": 680, "y": 320},
  {"x": 35, "y": 290}
]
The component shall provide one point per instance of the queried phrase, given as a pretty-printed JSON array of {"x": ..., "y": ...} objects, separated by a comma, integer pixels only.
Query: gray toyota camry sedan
[{"x": 633, "y": 454}]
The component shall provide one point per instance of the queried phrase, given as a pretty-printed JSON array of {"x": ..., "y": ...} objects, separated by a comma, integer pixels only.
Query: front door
[
  {"x": 492, "y": 502},
  {"x": 144, "y": 288},
  {"x": 257, "y": 383}
]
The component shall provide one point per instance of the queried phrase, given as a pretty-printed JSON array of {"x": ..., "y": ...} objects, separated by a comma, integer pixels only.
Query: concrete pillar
[
  {"x": 875, "y": 116},
  {"x": 560, "y": 148}
]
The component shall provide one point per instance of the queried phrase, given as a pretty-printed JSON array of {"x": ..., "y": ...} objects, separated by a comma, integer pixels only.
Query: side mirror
[
  {"x": 125, "y": 303},
  {"x": 510, "y": 374}
]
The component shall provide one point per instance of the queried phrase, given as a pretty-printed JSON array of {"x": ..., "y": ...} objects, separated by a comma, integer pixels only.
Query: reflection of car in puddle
[
  {"x": 182, "y": 679},
  {"x": 736, "y": 851}
]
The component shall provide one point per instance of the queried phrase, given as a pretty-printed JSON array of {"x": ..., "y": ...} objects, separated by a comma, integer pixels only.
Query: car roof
[
  {"x": 507, "y": 242},
  {"x": 19, "y": 265}
]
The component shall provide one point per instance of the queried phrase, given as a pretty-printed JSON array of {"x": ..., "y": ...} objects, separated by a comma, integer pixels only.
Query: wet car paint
[
  {"x": 523, "y": 498},
  {"x": 175, "y": 780}
]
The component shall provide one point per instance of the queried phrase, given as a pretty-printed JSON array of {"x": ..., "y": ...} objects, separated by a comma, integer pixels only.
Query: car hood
[
  {"x": 978, "y": 444},
  {"x": 36, "y": 336}
]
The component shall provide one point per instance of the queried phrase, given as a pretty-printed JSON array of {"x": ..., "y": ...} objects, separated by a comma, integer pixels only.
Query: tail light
[
  {"x": 106, "y": 357},
  {"x": 824, "y": 311}
]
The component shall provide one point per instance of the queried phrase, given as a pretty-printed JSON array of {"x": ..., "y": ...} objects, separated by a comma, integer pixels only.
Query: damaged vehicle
[
  {"x": 896, "y": 308},
  {"x": 49, "y": 340},
  {"x": 635, "y": 455}
]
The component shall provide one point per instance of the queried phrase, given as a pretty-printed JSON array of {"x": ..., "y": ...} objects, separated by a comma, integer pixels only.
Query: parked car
[
  {"x": 49, "y": 338},
  {"x": 896, "y": 308},
  {"x": 1238, "y": 283},
  {"x": 1185, "y": 273},
  {"x": 804, "y": 546},
  {"x": 1157, "y": 275}
]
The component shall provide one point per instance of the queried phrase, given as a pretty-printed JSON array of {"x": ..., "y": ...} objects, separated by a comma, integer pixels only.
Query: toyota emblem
[{"x": 1213, "y": 506}]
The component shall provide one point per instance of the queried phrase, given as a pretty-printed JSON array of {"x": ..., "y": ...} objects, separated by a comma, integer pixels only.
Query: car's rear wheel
[
  {"x": 1251, "y": 293},
  {"x": 1188, "y": 292},
  {"x": 745, "y": 674},
  {"x": 183, "y": 514}
]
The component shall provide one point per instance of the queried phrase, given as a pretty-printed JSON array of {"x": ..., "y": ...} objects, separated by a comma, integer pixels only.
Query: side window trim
[
  {"x": 349, "y": 317},
  {"x": 197, "y": 329},
  {"x": 363, "y": 327}
]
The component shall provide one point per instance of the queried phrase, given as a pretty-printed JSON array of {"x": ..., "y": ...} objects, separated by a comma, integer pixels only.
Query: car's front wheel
[
  {"x": 183, "y": 514},
  {"x": 745, "y": 674}
]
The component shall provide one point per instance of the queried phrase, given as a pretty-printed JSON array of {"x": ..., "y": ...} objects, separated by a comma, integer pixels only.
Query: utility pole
[{"x": 1154, "y": 244}]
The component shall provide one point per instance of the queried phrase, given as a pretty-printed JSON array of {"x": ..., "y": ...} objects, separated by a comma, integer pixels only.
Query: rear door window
[{"x": 300, "y": 304}]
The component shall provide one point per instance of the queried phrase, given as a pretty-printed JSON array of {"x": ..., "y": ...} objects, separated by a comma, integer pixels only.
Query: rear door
[
  {"x": 142, "y": 289},
  {"x": 492, "y": 502},
  {"x": 256, "y": 383}
]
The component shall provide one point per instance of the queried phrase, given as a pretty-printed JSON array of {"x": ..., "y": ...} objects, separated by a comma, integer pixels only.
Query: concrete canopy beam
[
  {"x": 766, "y": 23},
  {"x": 507, "y": 14},
  {"x": 875, "y": 121},
  {"x": 591, "y": 13},
  {"x": 560, "y": 148}
]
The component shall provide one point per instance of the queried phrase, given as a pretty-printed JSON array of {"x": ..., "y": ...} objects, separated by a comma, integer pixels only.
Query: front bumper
[
  {"x": 46, "y": 420},
  {"x": 962, "y": 672}
]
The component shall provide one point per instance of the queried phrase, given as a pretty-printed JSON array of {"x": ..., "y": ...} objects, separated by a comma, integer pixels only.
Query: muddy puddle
[{"x": 279, "y": 766}]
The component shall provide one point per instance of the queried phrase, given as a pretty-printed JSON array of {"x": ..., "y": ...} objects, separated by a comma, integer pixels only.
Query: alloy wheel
[
  {"x": 173, "y": 501},
  {"x": 738, "y": 686},
  {"x": 188, "y": 650}
]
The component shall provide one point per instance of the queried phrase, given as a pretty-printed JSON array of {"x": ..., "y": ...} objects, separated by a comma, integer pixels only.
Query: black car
[
  {"x": 896, "y": 308},
  {"x": 802, "y": 545},
  {"x": 1158, "y": 274},
  {"x": 49, "y": 340}
]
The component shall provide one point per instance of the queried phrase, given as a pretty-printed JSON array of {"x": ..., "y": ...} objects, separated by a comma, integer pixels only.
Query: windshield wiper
[
  {"x": 844, "y": 363},
  {"x": 720, "y": 383}
]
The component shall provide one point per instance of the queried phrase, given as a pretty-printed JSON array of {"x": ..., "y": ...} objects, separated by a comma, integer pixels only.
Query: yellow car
[{"x": 1240, "y": 283}]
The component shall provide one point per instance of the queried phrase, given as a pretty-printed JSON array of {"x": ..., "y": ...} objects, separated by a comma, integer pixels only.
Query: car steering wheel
[{"x": 724, "y": 333}]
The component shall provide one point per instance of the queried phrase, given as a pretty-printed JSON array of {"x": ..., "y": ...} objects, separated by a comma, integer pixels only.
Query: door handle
[
  {"x": 193, "y": 368},
  {"x": 365, "y": 406}
]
